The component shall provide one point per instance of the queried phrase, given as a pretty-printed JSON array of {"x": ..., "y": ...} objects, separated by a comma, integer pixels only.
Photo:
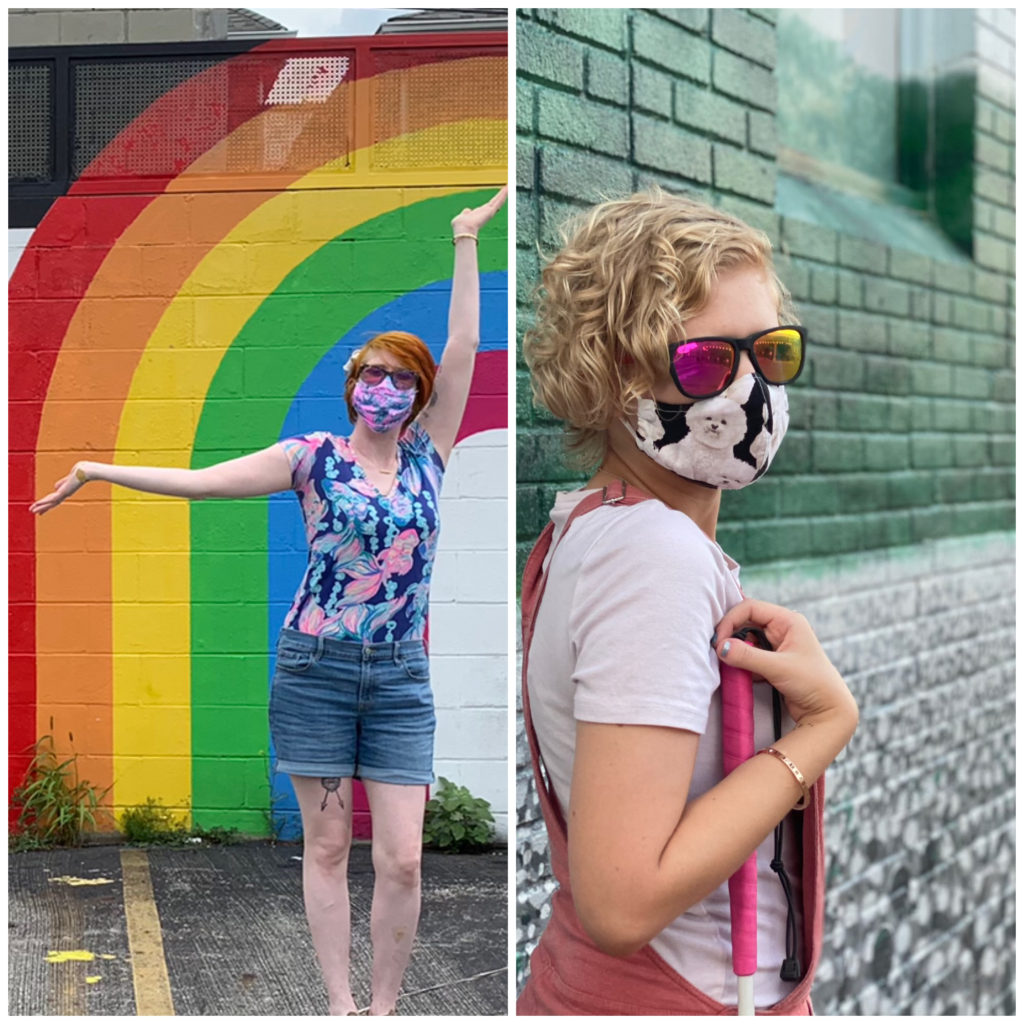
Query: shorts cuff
[
  {"x": 397, "y": 776},
  {"x": 315, "y": 771}
]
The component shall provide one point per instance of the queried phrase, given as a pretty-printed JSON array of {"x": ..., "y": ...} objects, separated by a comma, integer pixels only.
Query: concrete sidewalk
[{"x": 220, "y": 931}]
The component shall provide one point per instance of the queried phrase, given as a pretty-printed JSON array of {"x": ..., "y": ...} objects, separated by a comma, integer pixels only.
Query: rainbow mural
[{"x": 191, "y": 298}]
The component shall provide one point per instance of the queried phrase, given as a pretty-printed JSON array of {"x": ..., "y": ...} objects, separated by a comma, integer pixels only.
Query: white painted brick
[
  {"x": 33, "y": 28},
  {"x": 162, "y": 25},
  {"x": 463, "y": 681},
  {"x": 480, "y": 466},
  {"x": 472, "y": 734},
  {"x": 92, "y": 26},
  {"x": 444, "y": 578},
  {"x": 468, "y": 629},
  {"x": 17, "y": 243},
  {"x": 483, "y": 576},
  {"x": 473, "y": 576},
  {"x": 469, "y": 623},
  {"x": 470, "y": 524}
]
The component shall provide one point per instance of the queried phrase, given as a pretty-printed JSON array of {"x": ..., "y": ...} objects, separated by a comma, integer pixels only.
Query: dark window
[{"x": 30, "y": 122}]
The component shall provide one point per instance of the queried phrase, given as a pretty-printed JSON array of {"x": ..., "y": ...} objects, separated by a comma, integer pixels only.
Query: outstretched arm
[
  {"x": 443, "y": 414},
  {"x": 264, "y": 472}
]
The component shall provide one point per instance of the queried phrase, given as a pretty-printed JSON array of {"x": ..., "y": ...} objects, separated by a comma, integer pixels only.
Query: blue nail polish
[
  {"x": 714, "y": 639},
  {"x": 725, "y": 649}
]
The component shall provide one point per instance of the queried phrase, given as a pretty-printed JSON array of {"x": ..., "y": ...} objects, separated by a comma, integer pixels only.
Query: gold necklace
[{"x": 366, "y": 464}]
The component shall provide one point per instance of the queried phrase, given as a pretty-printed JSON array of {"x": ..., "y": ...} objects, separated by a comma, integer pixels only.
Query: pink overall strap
[{"x": 534, "y": 583}]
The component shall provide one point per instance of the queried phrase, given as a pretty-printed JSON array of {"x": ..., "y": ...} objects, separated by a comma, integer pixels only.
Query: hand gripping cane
[{"x": 737, "y": 747}]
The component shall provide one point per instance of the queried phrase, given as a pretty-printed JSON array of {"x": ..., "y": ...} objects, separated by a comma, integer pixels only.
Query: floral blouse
[{"x": 370, "y": 555}]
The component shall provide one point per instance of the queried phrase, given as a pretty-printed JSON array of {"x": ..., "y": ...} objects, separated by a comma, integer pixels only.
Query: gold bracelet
[
  {"x": 797, "y": 774},
  {"x": 80, "y": 475},
  {"x": 465, "y": 234}
]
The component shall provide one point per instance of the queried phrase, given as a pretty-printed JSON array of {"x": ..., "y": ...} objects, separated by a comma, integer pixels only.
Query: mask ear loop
[{"x": 791, "y": 970}]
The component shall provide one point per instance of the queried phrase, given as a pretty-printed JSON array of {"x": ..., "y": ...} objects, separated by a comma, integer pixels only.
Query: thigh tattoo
[{"x": 331, "y": 786}]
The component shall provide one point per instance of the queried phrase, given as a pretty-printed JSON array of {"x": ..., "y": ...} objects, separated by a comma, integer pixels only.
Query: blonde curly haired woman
[{"x": 664, "y": 341}]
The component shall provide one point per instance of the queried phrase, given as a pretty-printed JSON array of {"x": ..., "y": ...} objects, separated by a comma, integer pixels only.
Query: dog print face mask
[{"x": 724, "y": 442}]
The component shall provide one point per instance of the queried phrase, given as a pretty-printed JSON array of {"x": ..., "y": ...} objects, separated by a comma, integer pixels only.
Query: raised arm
[
  {"x": 263, "y": 472},
  {"x": 443, "y": 415}
]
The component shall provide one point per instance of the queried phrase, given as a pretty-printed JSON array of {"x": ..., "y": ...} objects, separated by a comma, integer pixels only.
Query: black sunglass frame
[
  {"x": 738, "y": 345},
  {"x": 385, "y": 372}
]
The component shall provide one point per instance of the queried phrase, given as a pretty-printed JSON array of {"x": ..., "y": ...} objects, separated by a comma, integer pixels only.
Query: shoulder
[
  {"x": 648, "y": 537},
  {"x": 302, "y": 450},
  {"x": 307, "y": 441}
]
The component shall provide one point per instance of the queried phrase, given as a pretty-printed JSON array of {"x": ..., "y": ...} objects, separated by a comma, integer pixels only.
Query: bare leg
[
  {"x": 326, "y": 806},
  {"x": 397, "y": 854}
]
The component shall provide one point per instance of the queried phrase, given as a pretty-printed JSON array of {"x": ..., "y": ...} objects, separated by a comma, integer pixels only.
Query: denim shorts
[{"x": 344, "y": 709}]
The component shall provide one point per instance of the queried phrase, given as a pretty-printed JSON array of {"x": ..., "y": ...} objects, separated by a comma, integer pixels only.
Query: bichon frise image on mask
[
  {"x": 725, "y": 441},
  {"x": 717, "y": 423}
]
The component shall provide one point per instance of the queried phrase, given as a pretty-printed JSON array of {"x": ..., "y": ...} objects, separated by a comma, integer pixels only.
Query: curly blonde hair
[{"x": 611, "y": 300}]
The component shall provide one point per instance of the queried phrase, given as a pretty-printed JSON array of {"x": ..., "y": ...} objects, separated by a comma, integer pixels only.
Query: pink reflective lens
[{"x": 703, "y": 367}]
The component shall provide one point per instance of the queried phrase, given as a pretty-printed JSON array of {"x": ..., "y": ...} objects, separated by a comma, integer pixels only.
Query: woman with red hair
[{"x": 351, "y": 694}]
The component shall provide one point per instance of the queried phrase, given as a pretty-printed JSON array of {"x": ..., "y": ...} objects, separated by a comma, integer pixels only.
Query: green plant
[
  {"x": 56, "y": 807},
  {"x": 216, "y": 836},
  {"x": 270, "y": 816},
  {"x": 456, "y": 821},
  {"x": 152, "y": 823}
]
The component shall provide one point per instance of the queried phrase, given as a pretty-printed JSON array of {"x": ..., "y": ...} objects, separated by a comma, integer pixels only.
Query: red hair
[{"x": 413, "y": 354}]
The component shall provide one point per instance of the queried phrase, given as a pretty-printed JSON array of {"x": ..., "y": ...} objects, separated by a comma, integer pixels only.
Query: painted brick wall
[
  {"x": 886, "y": 515},
  {"x": 208, "y": 315}
]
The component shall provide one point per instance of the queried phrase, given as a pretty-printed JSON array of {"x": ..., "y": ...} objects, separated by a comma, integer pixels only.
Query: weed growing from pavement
[
  {"x": 456, "y": 821},
  {"x": 270, "y": 816},
  {"x": 56, "y": 807},
  {"x": 152, "y": 824}
]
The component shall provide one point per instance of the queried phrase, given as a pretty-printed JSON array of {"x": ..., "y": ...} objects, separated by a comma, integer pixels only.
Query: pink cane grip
[{"x": 737, "y": 747}]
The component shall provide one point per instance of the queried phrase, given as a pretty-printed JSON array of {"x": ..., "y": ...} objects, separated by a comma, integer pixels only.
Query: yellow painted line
[
  {"x": 73, "y": 880},
  {"x": 145, "y": 941},
  {"x": 58, "y": 956}
]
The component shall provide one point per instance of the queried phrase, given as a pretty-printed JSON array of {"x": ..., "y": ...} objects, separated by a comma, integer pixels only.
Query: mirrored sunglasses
[
  {"x": 402, "y": 379},
  {"x": 705, "y": 367}
]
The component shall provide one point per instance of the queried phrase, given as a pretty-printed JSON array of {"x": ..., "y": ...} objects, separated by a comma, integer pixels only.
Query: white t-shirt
[{"x": 623, "y": 636}]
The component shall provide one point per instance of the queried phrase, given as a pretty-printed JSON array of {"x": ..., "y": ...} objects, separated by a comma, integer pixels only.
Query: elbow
[
  {"x": 618, "y": 931},
  {"x": 470, "y": 342}
]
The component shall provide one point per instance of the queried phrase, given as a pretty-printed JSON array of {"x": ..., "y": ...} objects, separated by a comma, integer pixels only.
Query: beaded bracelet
[
  {"x": 464, "y": 235},
  {"x": 797, "y": 774}
]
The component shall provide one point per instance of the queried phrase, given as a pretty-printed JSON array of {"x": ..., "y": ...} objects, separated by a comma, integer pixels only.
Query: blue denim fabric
[{"x": 342, "y": 709}]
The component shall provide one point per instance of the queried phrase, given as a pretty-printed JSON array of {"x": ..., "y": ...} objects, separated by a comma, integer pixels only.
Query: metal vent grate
[
  {"x": 309, "y": 120},
  {"x": 109, "y": 95},
  {"x": 409, "y": 98},
  {"x": 30, "y": 122}
]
